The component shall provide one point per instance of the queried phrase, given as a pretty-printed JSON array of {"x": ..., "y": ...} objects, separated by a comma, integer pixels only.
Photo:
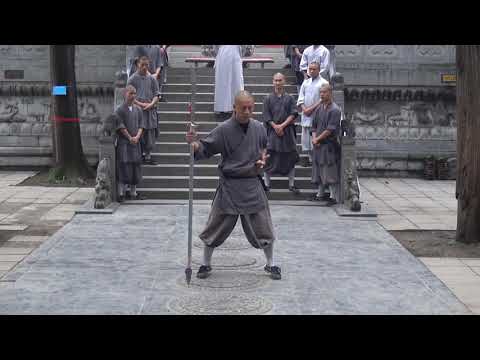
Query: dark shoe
[
  {"x": 315, "y": 197},
  {"x": 121, "y": 198},
  {"x": 288, "y": 66},
  {"x": 204, "y": 272},
  {"x": 331, "y": 202},
  {"x": 267, "y": 188},
  {"x": 294, "y": 190},
  {"x": 305, "y": 162},
  {"x": 325, "y": 197},
  {"x": 151, "y": 162},
  {"x": 138, "y": 197},
  {"x": 274, "y": 271}
]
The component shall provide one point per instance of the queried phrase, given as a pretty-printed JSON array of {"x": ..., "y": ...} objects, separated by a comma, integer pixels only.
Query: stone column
[{"x": 349, "y": 191}]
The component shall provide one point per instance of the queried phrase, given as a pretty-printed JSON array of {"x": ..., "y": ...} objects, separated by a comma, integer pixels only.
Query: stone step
[
  {"x": 199, "y": 106},
  {"x": 200, "y": 116},
  {"x": 179, "y": 136},
  {"x": 207, "y": 194},
  {"x": 202, "y": 88},
  {"x": 179, "y": 147},
  {"x": 277, "y": 64},
  {"x": 210, "y": 79},
  {"x": 204, "y": 71},
  {"x": 201, "y": 169},
  {"x": 184, "y": 158},
  {"x": 203, "y": 126},
  {"x": 206, "y": 182},
  {"x": 208, "y": 96}
]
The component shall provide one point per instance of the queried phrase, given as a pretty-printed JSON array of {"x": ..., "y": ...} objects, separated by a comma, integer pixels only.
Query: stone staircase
[{"x": 169, "y": 179}]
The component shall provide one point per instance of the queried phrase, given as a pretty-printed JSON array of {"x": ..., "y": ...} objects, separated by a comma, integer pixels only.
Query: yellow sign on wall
[{"x": 449, "y": 78}]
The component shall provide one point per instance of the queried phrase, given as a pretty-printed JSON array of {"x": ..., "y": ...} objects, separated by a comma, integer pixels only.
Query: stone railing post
[
  {"x": 349, "y": 186},
  {"x": 107, "y": 170}
]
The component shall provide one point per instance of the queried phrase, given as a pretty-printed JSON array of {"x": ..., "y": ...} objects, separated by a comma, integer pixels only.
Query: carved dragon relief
[
  {"x": 430, "y": 50},
  {"x": 383, "y": 51},
  {"x": 347, "y": 50},
  {"x": 10, "y": 112}
]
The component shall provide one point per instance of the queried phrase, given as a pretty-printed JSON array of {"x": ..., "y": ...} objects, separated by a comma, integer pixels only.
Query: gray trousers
[{"x": 258, "y": 228}]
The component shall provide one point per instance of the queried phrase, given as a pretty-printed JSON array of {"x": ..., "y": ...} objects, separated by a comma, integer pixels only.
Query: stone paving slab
[
  {"x": 27, "y": 238},
  {"x": 15, "y": 250},
  {"x": 132, "y": 262},
  {"x": 11, "y": 227},
  {"x": 7, "y": 265}
]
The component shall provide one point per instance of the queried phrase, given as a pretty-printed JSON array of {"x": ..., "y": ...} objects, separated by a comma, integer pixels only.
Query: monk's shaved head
[
  {"x": 129, "y": 88},
  {"x": 278, "y": 74},
  {"x": 243, "y": 95},
  {"x": 243, "y": 107},
  {"x": 326, "y": 87}
]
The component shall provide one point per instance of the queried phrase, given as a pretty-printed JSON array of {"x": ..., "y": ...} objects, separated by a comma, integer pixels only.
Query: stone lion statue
[
  {"x": 103, "y": 190},
  {"x": 353, "y": 192}
]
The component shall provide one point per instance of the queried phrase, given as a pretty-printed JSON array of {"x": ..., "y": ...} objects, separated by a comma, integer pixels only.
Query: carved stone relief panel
[
  {"x": 414, "y": 120},
  {"x": 383, "y": 51}
]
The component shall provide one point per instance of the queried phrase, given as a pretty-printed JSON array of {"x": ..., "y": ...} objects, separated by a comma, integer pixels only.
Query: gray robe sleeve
[
  {"x": 120, "y": 121},
  {"x": 267, "y": 113},
  {"x": 155, "y": 88},
  {"x": 315, "y": 121},
  {"x": 263, "y": 138},
  {"x": 212, "y": 144},
  {"x": 141, "y": 121},
  {"x": 333, "y": 122},
  {"x": 292, "y": 107}
]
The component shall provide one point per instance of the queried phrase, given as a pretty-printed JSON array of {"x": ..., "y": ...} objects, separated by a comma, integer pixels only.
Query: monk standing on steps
[
  {"x": 147, "y": 97},
  {"x": 279, "y": 114},
  {"x": 242, "y": 141}
]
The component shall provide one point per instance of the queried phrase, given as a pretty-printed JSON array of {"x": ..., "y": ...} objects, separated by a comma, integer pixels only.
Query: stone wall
[
  {"x": 402, "y": 111},
  {"x": 25, "y": 127},
  {"x": 394, "y": 94}
]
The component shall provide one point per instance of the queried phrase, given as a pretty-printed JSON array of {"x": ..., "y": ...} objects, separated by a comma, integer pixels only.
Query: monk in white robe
[
  {"x": 228, "y": 77},
  {"x": 319, "y": 54},
  {"x": 308, "y": 101}
]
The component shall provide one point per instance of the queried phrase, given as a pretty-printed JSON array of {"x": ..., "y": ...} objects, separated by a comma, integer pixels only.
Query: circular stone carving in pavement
[
  {"x": 220, "y": 304},
  {"x": 232, "y": 243},
  {"x": 225, "y": 280},
  {"x": 225, "y": 261}
]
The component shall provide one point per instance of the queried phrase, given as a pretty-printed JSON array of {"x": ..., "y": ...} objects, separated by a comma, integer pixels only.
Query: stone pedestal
[{"x": 107, "y": 151}]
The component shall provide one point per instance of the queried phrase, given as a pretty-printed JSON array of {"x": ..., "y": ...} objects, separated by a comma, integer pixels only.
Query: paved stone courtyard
[{"x": 132, "y": 262}]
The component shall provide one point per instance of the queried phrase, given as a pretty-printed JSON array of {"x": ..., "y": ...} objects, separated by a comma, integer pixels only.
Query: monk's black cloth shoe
[
  {"x": 305, "y": 162},
  {"x": 274, "y": 271},
  {"x": 137, "y": 197},
  {"x": 204, "y": 272},
  {"x": 151, "y": 162},
  {"x": 331, "y": 202},
  {"x": 121, "y": 198},
  {"x": 294, "y": 190}
]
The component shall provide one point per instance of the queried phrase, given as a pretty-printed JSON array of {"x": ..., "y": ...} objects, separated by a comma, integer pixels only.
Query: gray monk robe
[
  {"x": 147, "y": 89},
  {"x": 129, "y": 156},
  {"x": 282, "y": 149},
  {"x": 240, "y": 192},
  {"x": 326, "y": 157}
]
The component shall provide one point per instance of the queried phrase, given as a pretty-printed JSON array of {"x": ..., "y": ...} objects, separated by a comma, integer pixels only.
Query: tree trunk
[
  {"x": 70, "y": 161},
  {"x": 468, "y": 143}
]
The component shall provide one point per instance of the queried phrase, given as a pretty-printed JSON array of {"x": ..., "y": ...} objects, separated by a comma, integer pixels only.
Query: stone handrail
[{"x": 208, "y": 60}]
